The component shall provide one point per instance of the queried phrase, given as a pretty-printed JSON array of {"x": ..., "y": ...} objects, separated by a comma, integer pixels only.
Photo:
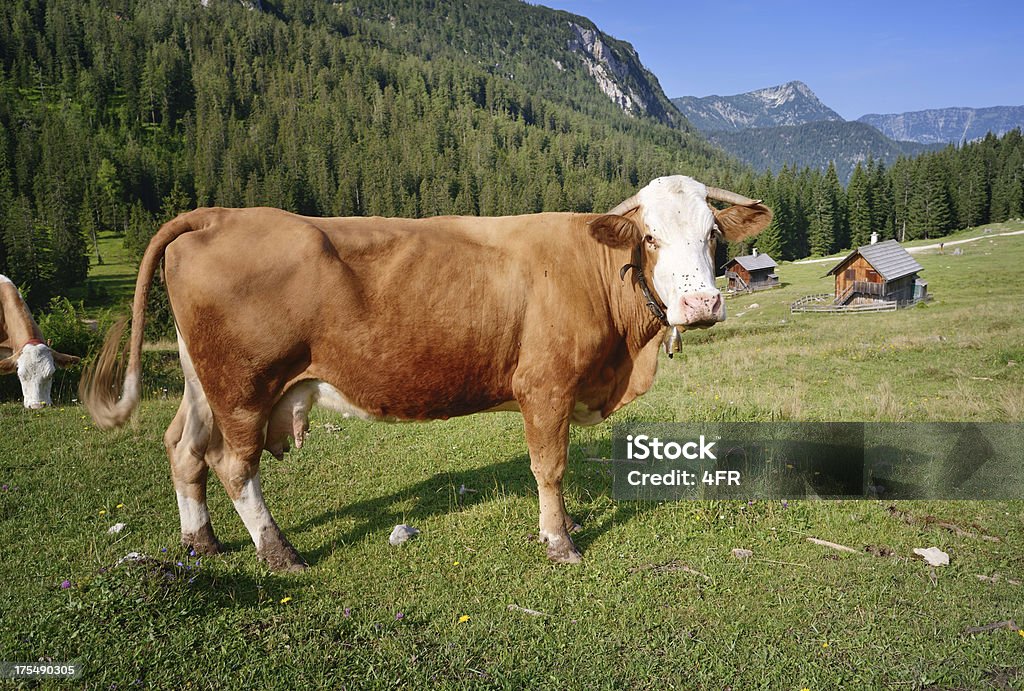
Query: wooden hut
[
  {"x": 879, "y": 272},
  {"x": 755, "y": 271}
]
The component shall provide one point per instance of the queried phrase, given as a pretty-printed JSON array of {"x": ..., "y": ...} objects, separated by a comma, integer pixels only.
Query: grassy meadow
[{"x": 659, "y": 602}]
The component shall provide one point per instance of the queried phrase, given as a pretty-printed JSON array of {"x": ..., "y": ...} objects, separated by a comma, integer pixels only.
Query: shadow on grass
[
  {"x": 181, "y": 583},
  {"x": 439, "y": 495}
]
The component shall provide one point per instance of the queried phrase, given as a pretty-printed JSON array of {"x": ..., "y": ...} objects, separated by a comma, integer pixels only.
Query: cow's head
[
  {"x": 35, "y": 364},
  {"x": 674, "y": 226}
]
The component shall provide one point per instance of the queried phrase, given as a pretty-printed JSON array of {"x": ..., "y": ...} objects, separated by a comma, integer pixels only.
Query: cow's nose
[
  {"x": 702, "y": 309},
  {"x": 36, "y": 406}
]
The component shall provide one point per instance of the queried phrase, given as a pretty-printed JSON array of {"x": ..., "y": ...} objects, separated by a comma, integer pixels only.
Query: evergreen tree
[
  {"x": 825, "y": 214},
  {"x": 882, "y": 201},
  {"x": 901, "y": 177},
  {"x": 972, "y": 199},
  {"x": 69, "y": 263},
  {"x": 1008, "y": 186},
  {"x": 5, "y": 198},
  {"x": 792, "y": 228},
  {"x": 858, "y": 202},
  {"x": 930, "y": 214},
  {"x": 28, "y": 252},
  {"x": 88, "y": 221}
]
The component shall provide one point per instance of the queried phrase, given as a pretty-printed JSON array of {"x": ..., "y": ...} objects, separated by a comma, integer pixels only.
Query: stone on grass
[
  {"x": 402, "y": 533},
  {"x": 933, "y": 555}
]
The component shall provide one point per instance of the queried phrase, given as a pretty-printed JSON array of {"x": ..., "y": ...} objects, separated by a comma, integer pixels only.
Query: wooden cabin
[
  {"x": 755, "y": 271},
  {"x": 879, "y": 272}
]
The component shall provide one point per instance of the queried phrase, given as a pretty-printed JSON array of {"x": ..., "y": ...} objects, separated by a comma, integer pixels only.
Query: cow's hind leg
[
  {"x": 547, "y": 436},
  {"x": 191, "y": 442},
  {"x": 187, "y": 441},
  {"x": 238, "y": 470}
]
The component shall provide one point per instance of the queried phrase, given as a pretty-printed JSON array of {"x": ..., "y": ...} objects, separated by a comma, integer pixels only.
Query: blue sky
[{"x": 858, "y": 57}]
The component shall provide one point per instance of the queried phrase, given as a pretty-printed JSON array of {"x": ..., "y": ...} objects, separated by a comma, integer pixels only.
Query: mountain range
[
  {"x": 789, "y": 125},
  {"x": 789, "y": 104},
  {"x": 947, "y": 125}
]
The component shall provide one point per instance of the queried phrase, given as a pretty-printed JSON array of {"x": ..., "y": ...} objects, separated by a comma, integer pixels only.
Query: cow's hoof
[
  {"x": 203, "y": 541},
  {"x": 281, "y": 556},
  {"x": 564, "y": 553}
]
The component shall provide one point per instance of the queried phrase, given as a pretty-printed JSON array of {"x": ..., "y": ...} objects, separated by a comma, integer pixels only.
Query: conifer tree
[
  {"x": 858, "y": 202},
  {"x": 930, "y": 214},
  {"x": 825, "y": 214},
  {"x": 881, "y": 201},
  {"x": 901, "y": 178}
]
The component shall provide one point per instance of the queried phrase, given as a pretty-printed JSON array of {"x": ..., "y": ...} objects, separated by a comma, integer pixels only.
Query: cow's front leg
[{"x": 547, "y": 436}]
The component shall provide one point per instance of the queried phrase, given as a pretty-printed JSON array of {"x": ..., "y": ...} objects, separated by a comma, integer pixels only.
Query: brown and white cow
[
  {"x": 277, "y": 312},
  {"x": 24, "y": 351}
]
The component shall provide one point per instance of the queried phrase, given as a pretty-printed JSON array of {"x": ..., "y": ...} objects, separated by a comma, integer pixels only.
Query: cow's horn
[
  {"x": 730, "y": 197},
  {"x": 625, "y": 207}
]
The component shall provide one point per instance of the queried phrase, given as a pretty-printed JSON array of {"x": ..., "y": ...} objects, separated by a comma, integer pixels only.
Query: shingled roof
[
  {"x": 888, "y": 258},
  {"x": 752, "y": 262}
]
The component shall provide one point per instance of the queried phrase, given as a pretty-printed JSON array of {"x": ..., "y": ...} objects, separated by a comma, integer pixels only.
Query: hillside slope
[
  {"x": 552, "y": 53},
  {"x": 814, "y": 145}
]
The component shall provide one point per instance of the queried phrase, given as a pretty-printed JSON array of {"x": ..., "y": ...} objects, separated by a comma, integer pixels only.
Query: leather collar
[{"x": 655, "y": 305}]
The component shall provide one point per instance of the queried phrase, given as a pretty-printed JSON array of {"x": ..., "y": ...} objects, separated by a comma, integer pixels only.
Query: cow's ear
[
  {"x": 9, "y": 365},
  {"x": 62, "y": 360},
  {"x": 741, "y": 221},
  {"x": 615, "y": 231}
]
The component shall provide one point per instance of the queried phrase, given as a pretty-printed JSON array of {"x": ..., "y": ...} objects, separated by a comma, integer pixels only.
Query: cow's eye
[{"x": 649, "y": 239}]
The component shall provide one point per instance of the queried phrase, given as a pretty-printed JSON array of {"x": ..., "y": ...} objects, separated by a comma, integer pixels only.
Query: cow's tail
[{"x": 100, "y": 389}]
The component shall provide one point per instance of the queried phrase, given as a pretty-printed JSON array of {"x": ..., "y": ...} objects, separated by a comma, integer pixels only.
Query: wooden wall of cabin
[
  {"x": 902, "y": 289},
  {"x": 759, "y": 277},
  {"x": 857, "y": 269},
  {"x": 741, "y": 272}
]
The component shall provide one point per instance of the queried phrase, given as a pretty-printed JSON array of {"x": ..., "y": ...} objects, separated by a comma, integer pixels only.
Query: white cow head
[
  {"x": 36, "y": 364},
  {"x": 676, "y": 230}
]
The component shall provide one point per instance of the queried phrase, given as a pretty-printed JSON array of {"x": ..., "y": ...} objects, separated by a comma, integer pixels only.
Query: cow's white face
[
  {"x": 680, "y": 237},
  {"x": 35, "y": 370},
  {"x": 677, "y": 230}
]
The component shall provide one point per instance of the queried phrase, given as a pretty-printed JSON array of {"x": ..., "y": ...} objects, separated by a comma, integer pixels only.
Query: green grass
[
  {"x": 111, "y": 283},
  {"x": 794, "y": 616}
]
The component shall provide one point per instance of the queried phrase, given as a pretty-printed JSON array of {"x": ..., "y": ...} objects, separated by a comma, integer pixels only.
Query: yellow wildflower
[
  {"x": 286, "y": 600},
  {"x": 464, "y": 618}
]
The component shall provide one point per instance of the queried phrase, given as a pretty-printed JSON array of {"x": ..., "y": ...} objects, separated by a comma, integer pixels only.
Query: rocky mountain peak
[
  {"x": 610, "y": 73},
  {"x": 792, "y": 103}
]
